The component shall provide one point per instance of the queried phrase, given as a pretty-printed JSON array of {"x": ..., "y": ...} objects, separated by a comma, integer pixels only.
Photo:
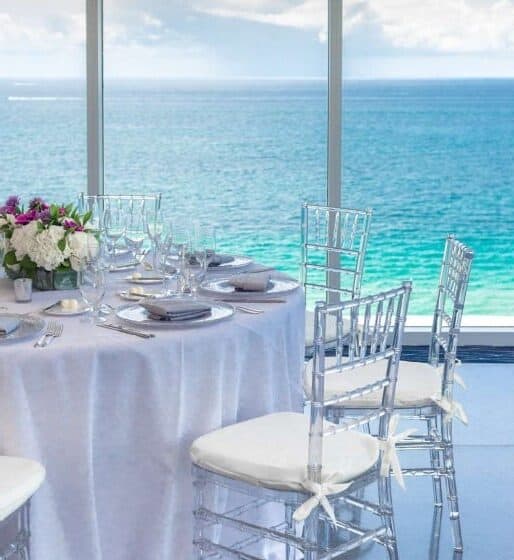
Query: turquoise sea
[{"x": 430, "y": 157}]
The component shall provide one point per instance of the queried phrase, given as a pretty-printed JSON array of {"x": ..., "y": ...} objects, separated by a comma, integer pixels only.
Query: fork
[
  {"x": 55, "y": 334},
  {"x": 53, "y": 330}
]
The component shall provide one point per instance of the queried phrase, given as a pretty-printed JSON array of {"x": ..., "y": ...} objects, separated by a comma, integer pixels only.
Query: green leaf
[
  {"x": 87, "y": 217},
  {"x": 10, "y": 258},
  {"x": 62, "y": 244}
]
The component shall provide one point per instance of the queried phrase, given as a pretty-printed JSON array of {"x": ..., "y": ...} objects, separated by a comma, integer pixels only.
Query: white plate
[
  {"x": 136, "y": 297},
  {"x": 136, "y": 315},
  {"x": 221, "y": 287},
  {"x": 144, "y": 280},
  {"x": 238, "y": 262},
  {"x": 58, "y": 311},
  {"x": 29, "y": 327}
]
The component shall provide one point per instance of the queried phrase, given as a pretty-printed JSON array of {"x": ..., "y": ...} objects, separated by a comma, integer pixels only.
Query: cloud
[
  {"x": 310, "y": 15},
  {"x": 151, "y": 21},
  {"x": 452, "y": 26},
  {"x": 449, "y": 26}
]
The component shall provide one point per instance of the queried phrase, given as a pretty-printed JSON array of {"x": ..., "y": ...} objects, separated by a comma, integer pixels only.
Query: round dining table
[{"x": 111, "y": 416}]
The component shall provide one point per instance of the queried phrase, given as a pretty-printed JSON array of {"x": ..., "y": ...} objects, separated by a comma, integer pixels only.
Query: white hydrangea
[
  {"x": 45, "y": 251},
  {"x": 83, "y": 246},
  {"x": 23, "y": 239}
]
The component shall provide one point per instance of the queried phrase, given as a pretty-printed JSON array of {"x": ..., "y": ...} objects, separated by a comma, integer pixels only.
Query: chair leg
[
  {"x": 386, "y": 506},
  {"x": 310, "y": 533},
  {"x": 451, "y": 487},
  {"x": 435, "y": 536},
  {"x": 199, "y": 486},
  {"x": 291, "y": 529},
  {"x": 435, "y": 463}
]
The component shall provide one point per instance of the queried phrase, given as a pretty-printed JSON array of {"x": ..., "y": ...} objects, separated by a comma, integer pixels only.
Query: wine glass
[
  {"x": 91, "y": 280},
  {"x": 135, "y": 233},
  {"x": 115, "y": 226},
  {"x": 154, "y": 224},
  {"x": 181, "y": 253},
  {"x": 205, "y": 243}
]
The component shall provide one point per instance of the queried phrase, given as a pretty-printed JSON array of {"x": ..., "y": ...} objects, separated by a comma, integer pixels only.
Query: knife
[{"x": 126, "y": 330}]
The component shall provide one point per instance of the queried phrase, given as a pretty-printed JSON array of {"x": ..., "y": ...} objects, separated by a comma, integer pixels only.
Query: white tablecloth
[{"x": 112, "y": 416}]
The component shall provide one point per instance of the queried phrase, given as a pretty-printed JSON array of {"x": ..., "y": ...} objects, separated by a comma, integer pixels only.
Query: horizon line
[{"x": 30, "y": 79}]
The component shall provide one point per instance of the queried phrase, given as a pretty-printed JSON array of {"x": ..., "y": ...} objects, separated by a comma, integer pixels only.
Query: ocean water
[{"x": 429, "y": 157}]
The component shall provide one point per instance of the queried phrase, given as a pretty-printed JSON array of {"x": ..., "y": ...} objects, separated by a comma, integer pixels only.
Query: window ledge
[{"x": 476, "y": 330}]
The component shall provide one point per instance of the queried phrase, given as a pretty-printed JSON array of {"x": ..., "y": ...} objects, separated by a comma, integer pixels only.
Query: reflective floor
[{"x": 485, "y": 471}]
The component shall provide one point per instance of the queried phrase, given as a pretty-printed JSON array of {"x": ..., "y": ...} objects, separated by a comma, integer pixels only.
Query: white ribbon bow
[
  {"x": 320, "y": 492},
  {"x": 456, "y": 375},
  {"x": 452, "y": 408},
  {"x": 390, "y": 460}
]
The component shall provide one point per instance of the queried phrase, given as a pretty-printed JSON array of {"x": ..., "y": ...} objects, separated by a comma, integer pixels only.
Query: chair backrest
[
  {"x": 334, "y": 243},
  {"x": 376, "y": 326},
  {"x": 451, "y": 297}
]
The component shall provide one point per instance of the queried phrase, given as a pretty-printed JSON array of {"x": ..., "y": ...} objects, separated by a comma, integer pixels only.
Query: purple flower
[
  {"x": 38, "y": 204},
  {"x": 44, "y": 216},
  {"x": 10, "y": 206},
  {"x": 26, "y": 217},
  {"x": 72, "y": 224},
  {"x": 62, "y": 211}
]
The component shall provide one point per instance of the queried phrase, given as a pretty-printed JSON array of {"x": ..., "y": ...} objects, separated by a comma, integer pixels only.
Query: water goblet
[
  {"x": 135, "y": 234},
  {"x": 154, "y": 225},
  {"x": 114, "y": 228},
  {"x": 91, "y": 280}
]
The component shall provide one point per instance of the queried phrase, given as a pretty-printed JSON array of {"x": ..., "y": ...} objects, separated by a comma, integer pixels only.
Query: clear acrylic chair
[
  {"x": 311, "y": 470},
  {"x": 425, "y": 390},
  {"x": 334, "y": 243},
  {"x": 19, "y": 479}
]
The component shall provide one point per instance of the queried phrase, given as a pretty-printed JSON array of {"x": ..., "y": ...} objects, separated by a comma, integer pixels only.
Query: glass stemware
[
  {"x": 155, "y": 229},
  {"x": 91, "y": 280},
  {"x": 135, "y": 234},
  {"x": 181, "y": 251},
  {"x": 114, "y": 228}
]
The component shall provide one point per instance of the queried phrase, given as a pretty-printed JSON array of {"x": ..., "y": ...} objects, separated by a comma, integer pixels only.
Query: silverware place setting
[
  {"x": 53, "y": 330},
  {"x": 126, "y": 330}
]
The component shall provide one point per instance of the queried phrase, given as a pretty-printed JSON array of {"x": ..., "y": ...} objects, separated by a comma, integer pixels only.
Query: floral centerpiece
[{"x": 45, "y": 242}]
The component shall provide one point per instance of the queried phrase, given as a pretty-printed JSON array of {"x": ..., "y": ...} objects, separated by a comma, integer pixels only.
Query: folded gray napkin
[
  {"x": 8, "y": 325},
  {"x": 176, "y": 310},
  {"x": 251, "y": 282},
  {"x": 216, "y": 260}
]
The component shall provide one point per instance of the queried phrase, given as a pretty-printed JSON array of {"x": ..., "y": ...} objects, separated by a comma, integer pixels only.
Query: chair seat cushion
[
  {"x": 417, "y": 383},
  {"x": 19, "y": 479},
  {"x": 271, "y": 451}
]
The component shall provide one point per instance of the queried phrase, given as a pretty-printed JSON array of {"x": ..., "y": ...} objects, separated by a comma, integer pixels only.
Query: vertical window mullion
[{"x": 94, "y": 86}]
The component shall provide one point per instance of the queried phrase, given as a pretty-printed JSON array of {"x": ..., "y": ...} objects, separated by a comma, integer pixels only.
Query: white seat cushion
[
  {"x": 271, "y": 451},
  {"x": 417, "y": 383},
  {"x": 19, "y": 479}
]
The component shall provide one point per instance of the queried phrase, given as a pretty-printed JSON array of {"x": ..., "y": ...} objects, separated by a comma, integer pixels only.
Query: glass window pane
[
  {"x": 42, "y": 99},
  {"x": 223, "y": 111},
  {"x": 430, "y": 150}
]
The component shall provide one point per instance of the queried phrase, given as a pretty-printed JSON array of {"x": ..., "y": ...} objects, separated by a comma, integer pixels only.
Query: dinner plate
[
  {"x": 143, "y": 280},
  {"x": 221, "y": 287},
  {"x": 137, "y": 315},
  {"x": 238, "y": 262},
  {"x": 58, "y": 311},
  {"x": 126, "y": 295},
  {"x": 29, "y": 327}
]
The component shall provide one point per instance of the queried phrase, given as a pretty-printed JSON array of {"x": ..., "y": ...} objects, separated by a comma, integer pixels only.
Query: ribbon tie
[
  {"x": 457, "y": 377},
  {"x": 452, "y": 408},
  {"x": 320, "y": 491},
  {"x": 390, "y": 460}
]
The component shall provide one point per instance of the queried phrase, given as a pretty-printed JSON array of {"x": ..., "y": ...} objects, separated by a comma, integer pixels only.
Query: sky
[{"x": 260, "y": 38}]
